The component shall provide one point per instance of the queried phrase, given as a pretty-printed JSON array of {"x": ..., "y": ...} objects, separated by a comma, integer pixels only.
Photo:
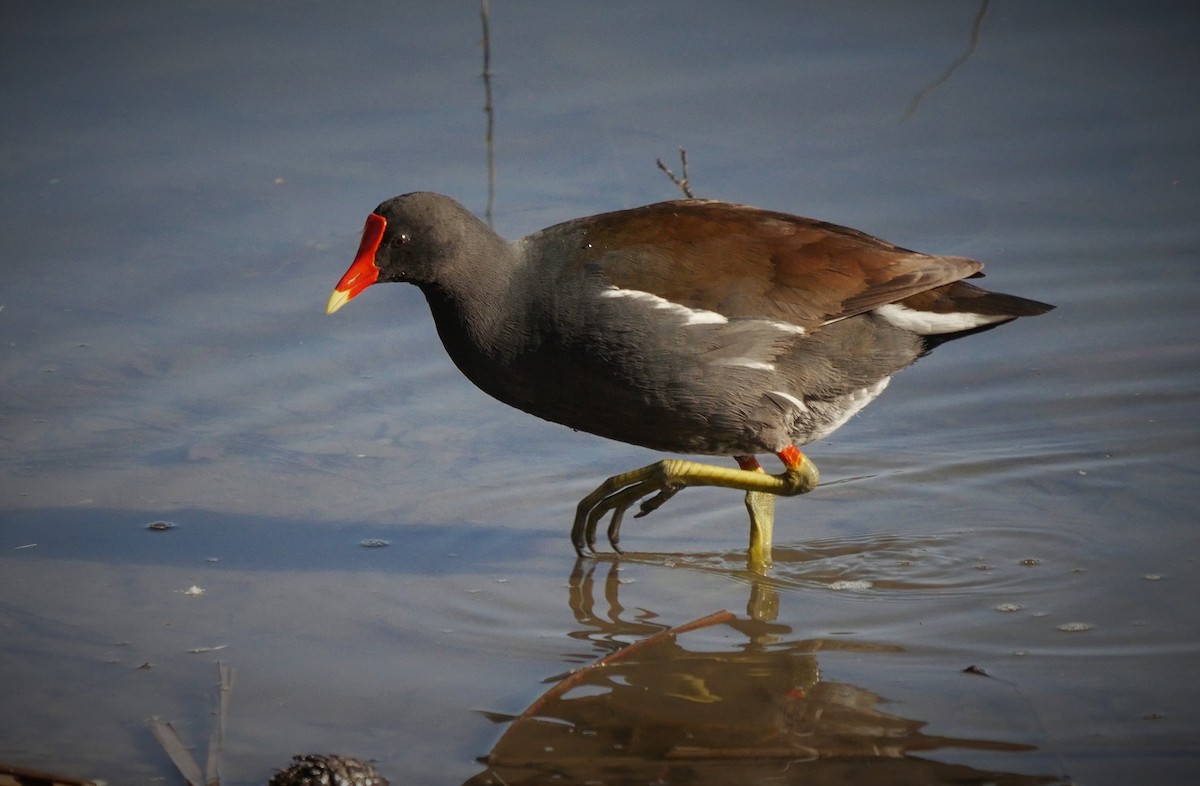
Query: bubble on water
[
  {"x": 1009, "y": 607},
  {"x": 856, "y": 584},
  {"x": 1075, "y": 627}
]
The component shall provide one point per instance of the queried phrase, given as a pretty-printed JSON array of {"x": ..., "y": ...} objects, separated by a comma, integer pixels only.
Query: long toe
[{"x": 618, "y": 502}]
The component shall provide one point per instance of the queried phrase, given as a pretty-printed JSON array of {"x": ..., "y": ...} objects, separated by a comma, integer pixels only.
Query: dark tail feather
[{"x": 961, "y": 297}]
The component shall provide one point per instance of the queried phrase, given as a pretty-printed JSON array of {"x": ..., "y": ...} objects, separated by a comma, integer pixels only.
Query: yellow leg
[
  {"x": 666, "y": 477},
  {"x": 761, "y": 507}
]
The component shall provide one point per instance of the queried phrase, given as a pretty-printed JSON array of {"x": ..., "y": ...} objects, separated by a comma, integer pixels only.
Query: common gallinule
[{"x": 690, "y": 326}]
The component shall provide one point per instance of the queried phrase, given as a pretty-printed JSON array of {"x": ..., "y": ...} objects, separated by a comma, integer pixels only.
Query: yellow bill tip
[{"x": 338, "y": 299}]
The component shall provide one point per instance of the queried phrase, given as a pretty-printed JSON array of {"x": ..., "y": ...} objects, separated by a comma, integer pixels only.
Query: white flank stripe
[
  {"x": 852, "y": 404},
  {"x": 927, "y": 323},
  {"x": 797, "y": 403},
  {"x": 755, "y": 364},
  {"x": 691, "y": 316}
]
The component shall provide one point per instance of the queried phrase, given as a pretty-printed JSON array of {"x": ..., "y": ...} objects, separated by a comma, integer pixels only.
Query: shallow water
[{"x": 184, "y": 183}]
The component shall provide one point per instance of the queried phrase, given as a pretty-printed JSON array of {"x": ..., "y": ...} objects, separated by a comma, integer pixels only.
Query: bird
[{"x": 689, "y": 326}]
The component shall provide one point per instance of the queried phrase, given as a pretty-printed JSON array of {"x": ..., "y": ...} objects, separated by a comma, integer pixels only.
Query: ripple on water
[{"x": 894, "y": 566}]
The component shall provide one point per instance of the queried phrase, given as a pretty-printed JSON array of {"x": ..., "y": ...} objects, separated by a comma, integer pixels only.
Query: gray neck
[{"x": 476, "y": 304}]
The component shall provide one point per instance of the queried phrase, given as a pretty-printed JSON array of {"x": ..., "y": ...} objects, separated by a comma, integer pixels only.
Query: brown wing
[{"x": 746, "y": 262}]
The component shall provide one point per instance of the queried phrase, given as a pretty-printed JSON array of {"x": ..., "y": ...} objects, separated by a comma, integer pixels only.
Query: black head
[{"x": 421, "y": 238}]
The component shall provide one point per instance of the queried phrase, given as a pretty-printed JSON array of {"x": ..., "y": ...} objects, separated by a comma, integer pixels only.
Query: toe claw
[{"x": 657, "y": 501}]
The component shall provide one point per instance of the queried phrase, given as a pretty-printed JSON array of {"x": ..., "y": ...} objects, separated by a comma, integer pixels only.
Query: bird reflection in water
[{"x": 724, "y": 699}]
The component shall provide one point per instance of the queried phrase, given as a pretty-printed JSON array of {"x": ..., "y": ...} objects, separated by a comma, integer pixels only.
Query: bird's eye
[{"x": 402, "y": 239}]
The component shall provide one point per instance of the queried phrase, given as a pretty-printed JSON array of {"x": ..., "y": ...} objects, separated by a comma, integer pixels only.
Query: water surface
[{"x": 183, "y": 184}]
